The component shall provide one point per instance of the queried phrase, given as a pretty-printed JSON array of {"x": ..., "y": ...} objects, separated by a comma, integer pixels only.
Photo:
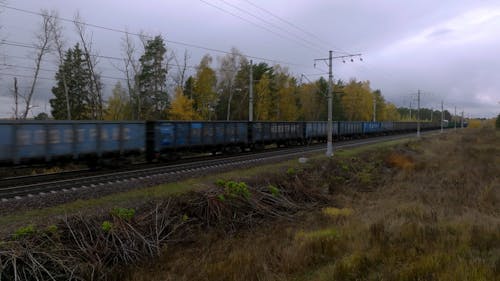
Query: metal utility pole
[
  {"x": 410, "y": 110},
  {"x": 462, "y": 126},
  {"x": 374, "y": 108},
  {"x": 329, "y": 147},
  {"x": 455, "y": 118},
  {"x": 432, "y": 113},
  {"x": 16, "y": 99},
  {"x": 442, "y": 116},
  {"x": 250, "y": 95},
  {"x": 418, "y": 113}
]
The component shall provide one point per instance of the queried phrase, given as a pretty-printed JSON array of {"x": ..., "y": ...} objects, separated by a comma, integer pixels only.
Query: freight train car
[
  {"x": 44, "y": 141},
  {"x": 279, "y": 133},
  {"x": 168, "y": 138},
  {"x": 49, "y": 141}
]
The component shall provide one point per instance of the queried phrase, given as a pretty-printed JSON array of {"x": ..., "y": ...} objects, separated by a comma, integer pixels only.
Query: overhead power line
[
  {"x": 29, "y": 46},
  {"x": 139, "y": 35},
  {"x": 53, "y": 70},
  {"x": 302, "y": 41},
  {"x": 338, "y": 50}
]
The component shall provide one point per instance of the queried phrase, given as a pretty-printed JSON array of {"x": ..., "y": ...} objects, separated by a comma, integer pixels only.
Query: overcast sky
[{"x": 449, "y": 49}]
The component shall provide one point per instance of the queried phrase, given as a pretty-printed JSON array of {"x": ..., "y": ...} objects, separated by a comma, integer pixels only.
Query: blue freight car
[
  {"x": 170, "y": 136},
  {"x": 279, "y": 133},
  {"x": 38, "y": 141},
  {"x": 318, "y": 130},
  {"x": 372, "y": 127},
  {"x": 350, "y": 128},
  {"x": 387, "y": 126}
]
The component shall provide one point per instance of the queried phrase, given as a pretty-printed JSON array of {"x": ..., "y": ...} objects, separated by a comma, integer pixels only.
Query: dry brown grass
[{"x": 426, "y": 210}]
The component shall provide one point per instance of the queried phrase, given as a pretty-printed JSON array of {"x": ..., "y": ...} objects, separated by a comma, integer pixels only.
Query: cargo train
[{"x": 25, "y": 142}]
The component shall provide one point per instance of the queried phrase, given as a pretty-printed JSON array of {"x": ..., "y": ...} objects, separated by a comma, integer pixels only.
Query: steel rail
[{"x": 17, "y": 191}]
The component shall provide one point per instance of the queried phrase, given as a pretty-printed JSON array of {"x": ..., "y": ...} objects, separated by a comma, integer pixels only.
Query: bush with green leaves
[
  {"x": 107, "y": 226},
  {"x": 274, "y": 190},
  {"x": 24, "y": 231},
  {"x": 123, "y": 213},
  {"x": 237, "y": 189}
]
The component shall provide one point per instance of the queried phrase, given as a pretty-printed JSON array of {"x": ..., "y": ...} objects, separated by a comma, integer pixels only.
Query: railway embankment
[{"x": 413, "y": 210}]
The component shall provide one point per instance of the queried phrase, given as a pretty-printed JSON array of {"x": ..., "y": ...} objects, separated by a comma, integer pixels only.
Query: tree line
[
  {"x": 218, "y": 92},
  {"x": 156, "y": 86}
]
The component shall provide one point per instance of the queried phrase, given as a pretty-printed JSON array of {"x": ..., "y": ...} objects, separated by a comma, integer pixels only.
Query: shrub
[
  {"x": 235, "y": 189},
  {"x": 291, "y": 171},
  {"x": 220, "y": 182},
  {"x": 24, "y": 231},
  {"x": 106, "y": 226},
  {"x": 123, "y": 213},
  {"x": 273, "y": 189}
]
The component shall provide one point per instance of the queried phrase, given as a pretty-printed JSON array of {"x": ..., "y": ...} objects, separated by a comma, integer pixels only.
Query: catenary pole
[
  {"x": 462, "y": 125},
  {"x": 250, "y": 95},
  {"x": 442, "y": 116},
  {"x": 329, "y": 147},
  {"x": 455, "y": 118},
  {"x": 418, "y": 113}
]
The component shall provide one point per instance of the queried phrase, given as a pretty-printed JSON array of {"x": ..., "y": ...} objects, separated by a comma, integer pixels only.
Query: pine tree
[
  {"x": 152, "y": 79},
  {"x": 74, "y": 69}
]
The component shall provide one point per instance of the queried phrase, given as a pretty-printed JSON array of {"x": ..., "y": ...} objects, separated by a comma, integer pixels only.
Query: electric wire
[
  {"x": 296, "y": 27},
  {"x": 320, "y": 48},
  {"x": 143, "y": 35}
]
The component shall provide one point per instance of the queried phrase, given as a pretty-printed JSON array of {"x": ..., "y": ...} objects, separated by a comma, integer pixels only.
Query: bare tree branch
[
  {"x": 91, "y": 60},
  {"x": 43, "y": 47},
  {"x": 58, "y": 40},
  {"x": 131, "y": 70},
  {"x": 180, "y": 77}
]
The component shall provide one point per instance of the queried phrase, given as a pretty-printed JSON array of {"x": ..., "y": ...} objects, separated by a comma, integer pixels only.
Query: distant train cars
[{"x": 88, "y": 141}]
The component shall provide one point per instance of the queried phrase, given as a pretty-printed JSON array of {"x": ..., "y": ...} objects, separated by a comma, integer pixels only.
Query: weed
[
  {"x": 51, "y": 229},
  {"x": 322, "y": 234},
  {"x": 365, "y": 178},
  {"x": 273, "y": 189},
  {"x": 23, "y": 232},
  {"x": 220, "y": 182},
  {"x": 335, "y": 212},
  {"x": 400, "y": 161},
  {"x": 237, "y": 189},
  {"x": 291, "y": 171},
  {"x": 344, "y": 167},
  {"x": 107, "y": 226},
  {"x": 123, "y": 213}
]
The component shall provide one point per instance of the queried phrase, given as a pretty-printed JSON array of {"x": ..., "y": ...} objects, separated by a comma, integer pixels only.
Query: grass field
[{"x": 422, "y": 210}]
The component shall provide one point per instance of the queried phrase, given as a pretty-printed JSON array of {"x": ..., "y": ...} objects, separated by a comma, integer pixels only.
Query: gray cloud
[{"x": 446, "y": 48}]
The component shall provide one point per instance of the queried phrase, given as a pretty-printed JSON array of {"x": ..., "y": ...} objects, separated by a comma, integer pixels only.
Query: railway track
[{"x": 16, "y": 188}]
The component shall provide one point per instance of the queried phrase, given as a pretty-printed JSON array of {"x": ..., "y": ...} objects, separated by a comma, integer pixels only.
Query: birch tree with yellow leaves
[
  {"x": 181, "y": 107},
  {"x": 205, "y": 95}
]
